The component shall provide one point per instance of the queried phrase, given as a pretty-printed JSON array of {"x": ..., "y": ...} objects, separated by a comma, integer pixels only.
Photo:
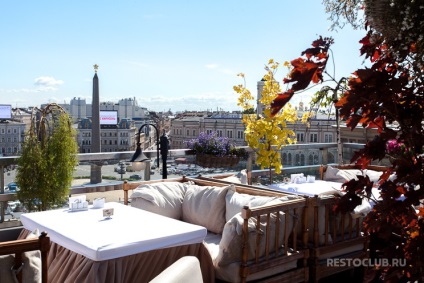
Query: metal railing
[{"x": 100, "y": 158}]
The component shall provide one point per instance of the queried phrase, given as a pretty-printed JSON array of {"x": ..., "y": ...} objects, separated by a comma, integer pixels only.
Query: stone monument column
[{"x": 96, "y": 169}]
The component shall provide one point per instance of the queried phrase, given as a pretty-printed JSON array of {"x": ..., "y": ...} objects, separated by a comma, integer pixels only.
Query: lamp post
[{"x": 161, "y": 145}]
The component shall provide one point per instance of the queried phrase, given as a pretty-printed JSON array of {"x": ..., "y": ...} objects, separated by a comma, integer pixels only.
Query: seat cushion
[
  {"x": 31, "y": 271},
  {"x": 164, "y": 198},
  {"x": 205, "y": 206}
]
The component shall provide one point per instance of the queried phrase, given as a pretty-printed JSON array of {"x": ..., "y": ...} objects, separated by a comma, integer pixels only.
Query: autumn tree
[{"x": 388, "y": 96}]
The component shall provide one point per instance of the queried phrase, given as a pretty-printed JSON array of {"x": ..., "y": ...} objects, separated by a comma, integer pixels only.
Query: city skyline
[{"x": 179, "y": 56}]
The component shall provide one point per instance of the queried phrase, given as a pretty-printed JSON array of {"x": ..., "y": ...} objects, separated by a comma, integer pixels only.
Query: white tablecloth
[
  {"x": 129, "y": 231},
  {"x": 316, "y": 188}
]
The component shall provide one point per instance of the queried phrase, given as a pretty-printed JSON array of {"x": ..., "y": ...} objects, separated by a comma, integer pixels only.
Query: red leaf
[
  {"x": 401, "y": 190},
  {"x": 280, "y": 101},
  {"x": 375, "y": 56},
  {"x": 378, "y": 123}
]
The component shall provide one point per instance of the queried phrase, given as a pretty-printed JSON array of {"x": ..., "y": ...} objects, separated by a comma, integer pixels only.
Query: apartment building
[
  {"x": 113, "y": 138},
  {"x": 12, "y": 134}
]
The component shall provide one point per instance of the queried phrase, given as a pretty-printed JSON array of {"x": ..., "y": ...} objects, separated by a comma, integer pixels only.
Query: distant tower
[
  {"x": 259, "y": 106},
  {"x": 301, "y": 106},
  {"x": 96, "y": 170}
]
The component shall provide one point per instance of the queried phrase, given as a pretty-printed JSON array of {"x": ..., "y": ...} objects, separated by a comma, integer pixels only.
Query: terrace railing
[{"x": 111, "y": 157}]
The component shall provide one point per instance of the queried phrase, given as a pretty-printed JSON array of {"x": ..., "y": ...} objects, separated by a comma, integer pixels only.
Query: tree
[
  {"x": 48, "y": 159},
  {"x": 310, "y": 69},
  {"x": 344, "y": 12},
  {"x": 266, "y": 134},
  {"x": 388, "y": 96}
]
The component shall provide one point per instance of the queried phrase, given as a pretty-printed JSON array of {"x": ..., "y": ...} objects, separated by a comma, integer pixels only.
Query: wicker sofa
[
  {"x": 330, "y": 236},
  {"x": 338, "y": 235},
  {"x": 252, "y": 234}
]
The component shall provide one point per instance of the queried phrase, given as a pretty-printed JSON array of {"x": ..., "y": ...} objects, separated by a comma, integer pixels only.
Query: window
[
  {"x": 300, "y": 159},
  {"x": 313, "y": 137},
  {"x": 194, "y": 133},
  {"x": 328, "y": 137},
  {"x": 230, "y": 134},
  {"x": 219, "y": 133},
  {"x": 208, "y": 132},
  {"x": 300, "y": 137},
  {"x": 188, "y": 133},
  {"x": 240, "y": 135}
]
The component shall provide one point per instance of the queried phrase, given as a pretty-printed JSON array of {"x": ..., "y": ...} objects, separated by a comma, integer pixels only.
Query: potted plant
[
  {"x": 48, "y": 159},
  {"x": 213, "y": 151},
  {"x": 267, "y": 132}
]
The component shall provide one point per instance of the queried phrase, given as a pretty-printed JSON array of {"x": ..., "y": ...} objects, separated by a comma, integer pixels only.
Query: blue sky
[{"x": 178, "y": 55}]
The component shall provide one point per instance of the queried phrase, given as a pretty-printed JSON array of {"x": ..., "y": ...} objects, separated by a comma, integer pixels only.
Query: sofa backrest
[{"x": 342, "y": 173}]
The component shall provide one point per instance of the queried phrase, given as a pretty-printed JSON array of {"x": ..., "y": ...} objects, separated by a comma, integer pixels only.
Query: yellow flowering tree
[{"x": 266, "y": 135}]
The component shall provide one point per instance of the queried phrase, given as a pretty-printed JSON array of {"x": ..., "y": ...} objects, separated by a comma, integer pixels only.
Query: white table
[
  {"x": 129, "y": 231},
  {"x": 133, "y": 246}
]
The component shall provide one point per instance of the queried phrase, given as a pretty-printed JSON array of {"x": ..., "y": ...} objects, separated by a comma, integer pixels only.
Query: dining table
[{"x": 116, "y": 243}]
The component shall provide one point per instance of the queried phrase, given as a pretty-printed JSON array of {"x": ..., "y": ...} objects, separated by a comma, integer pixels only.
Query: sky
[{"x": 167, "y": 54}]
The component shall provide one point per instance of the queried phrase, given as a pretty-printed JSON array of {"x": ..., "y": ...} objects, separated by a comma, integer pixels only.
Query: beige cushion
[
  {"x": 164, "y": 198},
  {"x": 330, "y": 173},
  {"x": 186, "y": 269},
  {"x": 205, "y": 206},
  {"x": 31, "y": 271},
  {"x": 321, "y": 225},
  {"x": 341, "y": 176},
  {"x": 234, "y": 202},
  {"x": 373, "y": 175},
  {"x": 230, "y": 247}
]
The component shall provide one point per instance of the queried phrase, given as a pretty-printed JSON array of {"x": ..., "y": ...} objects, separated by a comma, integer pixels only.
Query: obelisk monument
[{"x": 96, "y": 169}]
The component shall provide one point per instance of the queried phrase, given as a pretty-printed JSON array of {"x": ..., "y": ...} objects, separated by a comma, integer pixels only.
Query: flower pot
[{"x": 212, "y": 161}]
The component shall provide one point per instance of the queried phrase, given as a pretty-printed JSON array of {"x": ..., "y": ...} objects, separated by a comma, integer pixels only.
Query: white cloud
[{"x": 46, "y": 82}]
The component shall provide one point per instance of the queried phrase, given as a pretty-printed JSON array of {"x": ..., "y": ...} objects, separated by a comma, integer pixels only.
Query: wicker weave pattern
[{"x": 212, "y": 161}]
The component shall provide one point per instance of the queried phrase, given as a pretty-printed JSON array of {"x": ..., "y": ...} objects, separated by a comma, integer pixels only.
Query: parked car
[
  {"x": 13, "y": 187},
  {"x": 135, "y": 177}
]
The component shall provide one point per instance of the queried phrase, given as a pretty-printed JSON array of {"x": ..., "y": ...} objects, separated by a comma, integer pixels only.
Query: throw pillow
[
  {"x": 205, "y": 206},
  {"x": 164, "y": 198},
  {"x": 234, "y": 202}
]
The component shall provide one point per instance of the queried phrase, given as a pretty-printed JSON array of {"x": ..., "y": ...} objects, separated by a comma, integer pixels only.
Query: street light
[{"x": 139, "y": 158}]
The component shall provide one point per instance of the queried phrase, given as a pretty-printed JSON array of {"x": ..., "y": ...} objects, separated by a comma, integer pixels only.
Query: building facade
[
  {"x": 230, "y": 125},
  {"x": 127, "y": 108},
  {"x": 114, "y": 138},
  {"x": 12, "y": 135}
]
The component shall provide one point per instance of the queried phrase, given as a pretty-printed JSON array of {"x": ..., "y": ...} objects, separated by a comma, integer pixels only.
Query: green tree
[{"x": 48, "y": 159}]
